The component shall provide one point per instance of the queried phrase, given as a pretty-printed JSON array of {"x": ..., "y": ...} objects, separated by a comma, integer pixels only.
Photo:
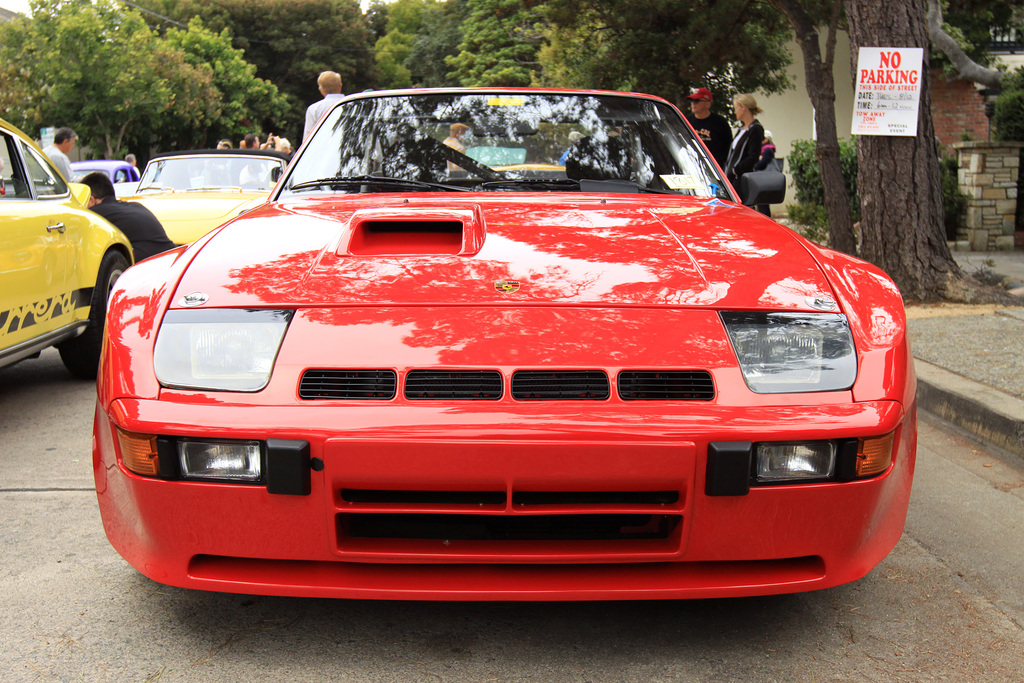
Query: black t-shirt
[
  {"x": 139, "y": 225},
  {"x": 716, "y": 134}
]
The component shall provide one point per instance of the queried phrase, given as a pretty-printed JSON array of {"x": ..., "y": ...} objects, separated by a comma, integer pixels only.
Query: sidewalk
[{"x": 970, "y": 359}]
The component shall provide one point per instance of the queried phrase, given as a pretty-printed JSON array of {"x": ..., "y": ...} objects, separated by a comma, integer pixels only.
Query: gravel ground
[{"x": 981, "y": 343}]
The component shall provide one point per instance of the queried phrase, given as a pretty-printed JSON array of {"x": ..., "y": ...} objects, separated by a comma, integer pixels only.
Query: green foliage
[
  {"x": 392, "y": 51},
  {"x": 97, "y": 67},
  {"x": 438, "y": 39},
  {"x": 500, "y": 41},
  {"x": 667, "y": 47},
  {"x": 803, "y": 168},
  {"x": 954, "y": 202},
  {"x": 240, "y": 94},
  {"x": 811, "y": 219},
  {"x": 973, "y": 24},
  {"x": 290, "y": 43},
  {"x": 802, "y": 163},
  {"x": 377, "y": 18},
  {"x": 1008, "y": 120},
  {"x": 809, "y": 211},
  {"x": 420, "y": 35}
]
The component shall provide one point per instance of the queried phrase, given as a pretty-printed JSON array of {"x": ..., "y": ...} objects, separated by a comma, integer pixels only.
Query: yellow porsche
[
  {"x": 58, "y": 260},
  {"x": 193, "y": 192}
]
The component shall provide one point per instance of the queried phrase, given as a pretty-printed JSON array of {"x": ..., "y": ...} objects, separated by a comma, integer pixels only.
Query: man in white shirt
[
  {"x": 329, "y": 83},
  {"x": 63, "y": 142}
]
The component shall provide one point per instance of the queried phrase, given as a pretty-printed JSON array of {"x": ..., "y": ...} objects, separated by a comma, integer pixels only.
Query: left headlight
[
  {"x": 219, "y": 349},
  {"x": 792, "y": 352}
]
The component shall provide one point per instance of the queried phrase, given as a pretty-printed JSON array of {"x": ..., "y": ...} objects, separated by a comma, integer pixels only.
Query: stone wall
[{"x": 988, "y": 175}]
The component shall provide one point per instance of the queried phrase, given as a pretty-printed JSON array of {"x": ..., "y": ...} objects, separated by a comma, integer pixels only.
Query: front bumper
[{"x": 493, "y": 504}]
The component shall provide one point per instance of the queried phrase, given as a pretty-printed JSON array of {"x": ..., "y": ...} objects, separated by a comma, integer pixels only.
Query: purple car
[{"x": 121, "y": 173}]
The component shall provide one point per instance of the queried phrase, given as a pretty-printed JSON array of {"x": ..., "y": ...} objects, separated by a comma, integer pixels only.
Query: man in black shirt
[
  {"x": 138, "y": 223},
  {"x": 713, "y": 129}
]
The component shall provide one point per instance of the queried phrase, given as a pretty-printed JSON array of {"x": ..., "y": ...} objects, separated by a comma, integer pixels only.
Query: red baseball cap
[{"x": 700, "y": 94}]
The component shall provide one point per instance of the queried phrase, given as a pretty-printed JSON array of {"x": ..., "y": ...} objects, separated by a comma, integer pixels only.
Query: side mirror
[{"x": 762, "y": 187}]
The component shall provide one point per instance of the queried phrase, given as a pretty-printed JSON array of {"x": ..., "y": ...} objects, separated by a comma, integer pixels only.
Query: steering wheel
[{"x": 465, "y": 161}]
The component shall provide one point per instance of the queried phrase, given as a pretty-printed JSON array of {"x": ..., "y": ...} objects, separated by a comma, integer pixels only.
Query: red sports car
[{"x": 505, "y": 345}]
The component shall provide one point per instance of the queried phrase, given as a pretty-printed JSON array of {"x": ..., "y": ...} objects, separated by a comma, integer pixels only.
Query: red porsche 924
[{"x": 448, "y": 362}]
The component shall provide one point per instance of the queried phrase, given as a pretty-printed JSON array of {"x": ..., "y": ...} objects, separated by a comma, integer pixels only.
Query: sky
[
  {"x": 15, "y": 5},
  {"x": 22, "y": 5}
]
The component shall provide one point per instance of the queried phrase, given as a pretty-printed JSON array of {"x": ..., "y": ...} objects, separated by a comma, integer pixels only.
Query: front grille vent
[
  {"x": 567, "y": 385},
  {"x": 527, "y": 385},
  {"x": 348, "y": 384},
  {"x": 456, "y": 385},
  {"x": 684, "y": 385}
]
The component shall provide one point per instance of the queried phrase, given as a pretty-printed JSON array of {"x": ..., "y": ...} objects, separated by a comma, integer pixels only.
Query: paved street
[{"x": 947, "y": 604}]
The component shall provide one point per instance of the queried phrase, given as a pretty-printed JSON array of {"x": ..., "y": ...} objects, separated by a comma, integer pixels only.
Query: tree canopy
[
  {"x": 500, "y": 42},
  {"x": 290, "y": 42},
  {"x": 667, "y": 47},
  {"x": 97, "y": 67},
  {"x": 418, "y": 36}
]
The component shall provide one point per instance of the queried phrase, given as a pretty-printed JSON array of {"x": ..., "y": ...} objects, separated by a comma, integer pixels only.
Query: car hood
[
  {"x": 495, "y": 249},
  {"x": 187, "y": 216}
]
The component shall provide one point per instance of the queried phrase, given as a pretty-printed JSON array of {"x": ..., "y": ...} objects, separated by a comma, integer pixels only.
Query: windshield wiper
[
  {"x": 583, "y": 185},
  {"x": 626, "y": 186},
  {"x": 376, "y": 180},
  {"x": 530, "y": 183}
]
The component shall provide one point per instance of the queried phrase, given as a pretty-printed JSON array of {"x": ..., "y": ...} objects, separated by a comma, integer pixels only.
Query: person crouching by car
[{"x": 140, "y": 226}]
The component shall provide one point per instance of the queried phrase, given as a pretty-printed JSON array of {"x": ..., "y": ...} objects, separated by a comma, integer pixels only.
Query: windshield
[
  {"x": 210, "y": 173},
  {"x": 505, "y": 142}
]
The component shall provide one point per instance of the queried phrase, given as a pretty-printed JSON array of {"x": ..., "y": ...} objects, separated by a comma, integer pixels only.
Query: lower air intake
[
  {"x": 506, "y": 527},
  {"x": 348, "y": 384},
  {"x": 676, "y": 385},
  {"x": 455, "y": 385},
  {"x": 563, "y": 385}
]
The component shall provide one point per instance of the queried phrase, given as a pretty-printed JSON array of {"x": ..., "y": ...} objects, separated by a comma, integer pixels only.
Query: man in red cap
[{"x": 713, "y": 129}]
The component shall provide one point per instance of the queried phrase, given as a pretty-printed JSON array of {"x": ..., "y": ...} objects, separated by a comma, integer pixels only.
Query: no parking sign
[{"x": 888, "y": 91}]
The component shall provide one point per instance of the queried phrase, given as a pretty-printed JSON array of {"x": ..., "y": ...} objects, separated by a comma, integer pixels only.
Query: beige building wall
[{"x": 790, "y": 116}]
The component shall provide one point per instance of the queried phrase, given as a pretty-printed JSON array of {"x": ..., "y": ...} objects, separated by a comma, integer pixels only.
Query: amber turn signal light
[
  {"x": 138, "y": 451},
  {"x": 874, "y": 454}
]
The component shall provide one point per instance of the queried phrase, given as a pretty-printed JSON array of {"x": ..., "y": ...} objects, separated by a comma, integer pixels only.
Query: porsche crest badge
[{"x": 506, "y": 286}]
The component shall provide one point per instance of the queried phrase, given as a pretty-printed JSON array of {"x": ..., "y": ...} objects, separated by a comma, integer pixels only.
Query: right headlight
[
  {"x": 792, "y": 352},
  {"x": 219, "y": 349}
]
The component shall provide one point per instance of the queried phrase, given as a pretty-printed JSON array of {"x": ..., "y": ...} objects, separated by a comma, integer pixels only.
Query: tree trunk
[
  {"x": 821, "y": 90},
  {"x": 901, "y": 219}
]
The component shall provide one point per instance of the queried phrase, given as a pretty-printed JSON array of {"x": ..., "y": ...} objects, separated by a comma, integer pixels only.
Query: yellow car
[
  {"x": 58, "y": 260},
  {"x": 196, "y": 191}
]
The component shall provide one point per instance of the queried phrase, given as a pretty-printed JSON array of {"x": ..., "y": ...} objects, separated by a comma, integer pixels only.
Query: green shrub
[
  {"x": 1008, "y": 119},
  {"x": 811, "y": 221},
  {"x": 810, "y": 211},
  {"x": 802, "y": 163},
  {"x": 954, "y": 202}
]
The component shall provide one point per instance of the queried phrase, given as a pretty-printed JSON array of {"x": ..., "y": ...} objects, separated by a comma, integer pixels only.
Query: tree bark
[
  {"x": 821, "y": 90},
  {"x": 901, "y": 214}
]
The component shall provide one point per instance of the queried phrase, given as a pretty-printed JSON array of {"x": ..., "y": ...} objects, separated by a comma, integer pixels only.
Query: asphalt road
[{"x": 947, "y": 604}]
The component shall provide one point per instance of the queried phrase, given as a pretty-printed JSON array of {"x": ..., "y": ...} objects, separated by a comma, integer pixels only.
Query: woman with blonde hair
[{"x": 746, "y": 146}]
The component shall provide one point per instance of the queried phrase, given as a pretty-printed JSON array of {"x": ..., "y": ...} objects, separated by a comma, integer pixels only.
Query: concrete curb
[{"x": 993, "y": 415}]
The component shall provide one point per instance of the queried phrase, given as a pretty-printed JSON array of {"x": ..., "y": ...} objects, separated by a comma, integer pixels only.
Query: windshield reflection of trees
[{"x": 613, "y": 137}]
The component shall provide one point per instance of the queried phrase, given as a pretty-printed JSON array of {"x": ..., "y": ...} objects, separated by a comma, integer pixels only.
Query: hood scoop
[{"x": 414, "y": 231}]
